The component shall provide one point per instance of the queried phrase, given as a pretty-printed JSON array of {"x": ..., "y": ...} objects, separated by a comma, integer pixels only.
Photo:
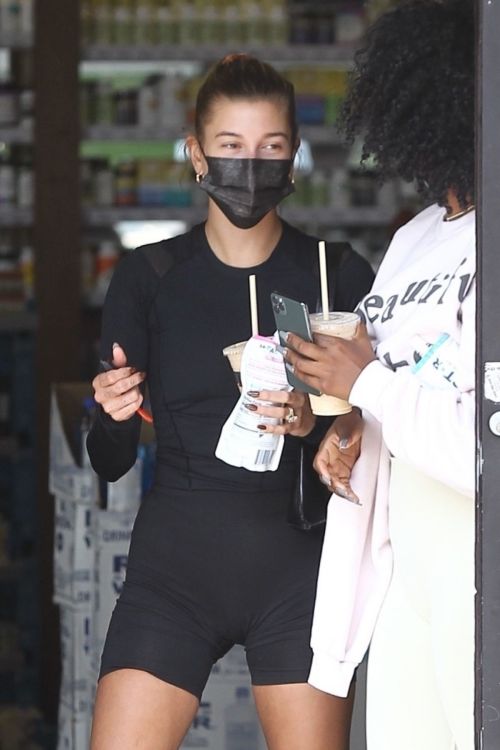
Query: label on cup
[{"x": 241, "y": 443}]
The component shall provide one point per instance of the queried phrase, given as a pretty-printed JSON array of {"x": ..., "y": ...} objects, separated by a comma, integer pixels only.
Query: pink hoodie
[{"x": 418, "y": 404}]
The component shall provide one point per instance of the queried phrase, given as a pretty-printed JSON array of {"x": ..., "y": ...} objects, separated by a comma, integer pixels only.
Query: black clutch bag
[{"x": 309, "y": 501}]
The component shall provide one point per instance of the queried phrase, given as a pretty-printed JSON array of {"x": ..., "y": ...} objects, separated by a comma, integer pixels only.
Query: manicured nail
[
  {"x": 343, "y": 444},
  {"x": 253, "y": 394},
  {"x": 261, "y": 427},
  {"x": 115, "y": 345},
  {"x": 250, "y": 407},
  {"x": 326, "y": 480},
  {"x": 286, "y": 335},
  {"x": 290, "y": 367}
]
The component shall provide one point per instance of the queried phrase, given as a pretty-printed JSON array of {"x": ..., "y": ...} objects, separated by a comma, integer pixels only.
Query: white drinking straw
[
  {"x": 253, "y": 305},
  {"x": 323, "y": 278}
]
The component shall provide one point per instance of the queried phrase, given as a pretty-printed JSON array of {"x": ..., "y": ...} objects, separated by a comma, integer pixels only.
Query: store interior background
[{"x": 96, "y": 98}]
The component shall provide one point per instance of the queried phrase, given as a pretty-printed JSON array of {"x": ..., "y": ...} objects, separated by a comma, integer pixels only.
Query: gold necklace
[{"x": 460, "y": 214}]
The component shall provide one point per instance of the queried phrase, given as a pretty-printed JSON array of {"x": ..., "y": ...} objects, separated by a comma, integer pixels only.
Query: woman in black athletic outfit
[{"x": 213, "y": 561}]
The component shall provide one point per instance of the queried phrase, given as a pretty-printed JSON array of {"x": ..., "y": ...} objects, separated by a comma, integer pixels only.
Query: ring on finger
[{"x": 291, "y": 417}]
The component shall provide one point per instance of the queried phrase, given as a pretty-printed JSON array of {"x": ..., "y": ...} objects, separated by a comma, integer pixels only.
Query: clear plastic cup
[
  {"x": 344, "y": 325},
  {"x": 234, "y": 353}
]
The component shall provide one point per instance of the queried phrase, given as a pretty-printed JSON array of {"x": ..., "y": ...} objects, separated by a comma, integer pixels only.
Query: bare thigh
[
  {"x": 136, "y": 710},
  {"x": 300, "y": 717}
]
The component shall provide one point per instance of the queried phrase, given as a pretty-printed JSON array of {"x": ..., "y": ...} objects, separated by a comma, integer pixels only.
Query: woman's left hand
[
  {"x": 291, "y": 408},
  {"x": 331, "y": 364}
]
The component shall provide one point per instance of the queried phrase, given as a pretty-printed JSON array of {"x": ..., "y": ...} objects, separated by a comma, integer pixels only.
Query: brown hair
[{"x": 241, "y": 76}]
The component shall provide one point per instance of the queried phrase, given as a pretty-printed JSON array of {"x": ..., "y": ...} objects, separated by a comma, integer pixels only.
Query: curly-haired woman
[{"x": 401, "y": 567}]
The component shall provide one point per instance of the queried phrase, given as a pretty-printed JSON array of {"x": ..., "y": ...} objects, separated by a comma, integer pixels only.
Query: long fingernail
[
  {"x": 250, "y": 407},
  {"x": 253, "y": 394},
  {"x": 341, "y": 491},
  {"x": 290, "y": 367},
  {"x": 115, "y": 345},
  {"x": 261, "y": 427},
  {"x": 326, "y": 480},
  {"x": 343, "y": 443}
]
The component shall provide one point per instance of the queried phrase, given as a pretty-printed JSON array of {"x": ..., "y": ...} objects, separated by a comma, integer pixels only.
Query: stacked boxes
[
  {"x": 90, "y": 559},
  {"x": 75, "y": 491},
  {"x": 227, "y": 718},
  {"x": 112, "y": 532}
]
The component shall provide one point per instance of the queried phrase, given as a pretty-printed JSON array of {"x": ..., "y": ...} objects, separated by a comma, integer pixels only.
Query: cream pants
[{"x": 420, "y": 693}]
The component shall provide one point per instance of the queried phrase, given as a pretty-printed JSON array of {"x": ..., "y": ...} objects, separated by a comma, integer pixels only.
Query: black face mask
[{"x": 247, "y": 189}]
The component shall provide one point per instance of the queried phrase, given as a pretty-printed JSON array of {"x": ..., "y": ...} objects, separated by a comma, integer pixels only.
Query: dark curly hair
[{"x": 411, "y": 97}]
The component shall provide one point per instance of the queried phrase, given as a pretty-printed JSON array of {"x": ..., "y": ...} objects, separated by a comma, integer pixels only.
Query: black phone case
[{"x": 293, "y": 317}]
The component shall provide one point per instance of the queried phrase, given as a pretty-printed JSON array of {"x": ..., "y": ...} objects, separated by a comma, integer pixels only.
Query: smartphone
[{"x": 293, "y": 317}]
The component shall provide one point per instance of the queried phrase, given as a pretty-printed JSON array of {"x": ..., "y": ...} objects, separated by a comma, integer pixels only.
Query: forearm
[
  {"x": 429, "y": 428},
  {"x": 112, "y": 445}
]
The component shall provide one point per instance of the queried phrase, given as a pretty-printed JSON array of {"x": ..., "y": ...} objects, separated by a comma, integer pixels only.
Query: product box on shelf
[
  {"x": 73, "y": 553},
  {"x": 70, "y": 473},
  {"x": 68, "y": 476},
  {"x": 227, "y": 718},
  {"x": 90, "y": 561},
  {"x": 112, "y": 532},
  {"x": 72, "y": 733},
  {"x": 75, "y": 640}
]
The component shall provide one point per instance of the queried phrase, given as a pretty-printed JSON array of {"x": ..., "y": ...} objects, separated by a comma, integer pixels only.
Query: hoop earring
[{"x": 199, "y": 177}]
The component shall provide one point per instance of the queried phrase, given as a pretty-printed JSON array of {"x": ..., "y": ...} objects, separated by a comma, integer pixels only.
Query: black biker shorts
[{"x": 208, "y": 570}]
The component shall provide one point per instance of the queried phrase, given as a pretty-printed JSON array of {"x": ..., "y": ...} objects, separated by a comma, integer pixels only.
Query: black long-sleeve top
[{"x": 175, "y": 326}]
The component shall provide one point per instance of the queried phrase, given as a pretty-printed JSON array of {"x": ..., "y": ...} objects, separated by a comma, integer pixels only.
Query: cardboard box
[
  {"x": 75, "y": 639},
  {"x": 67, "y": 477},
  {"x": 73, "y": 478},
  {"x": 112, "y": 532},
  {"x": 72, "y": 733},
  {"x": 73, "y": 553},
  {"x": 227, "y": 718}
]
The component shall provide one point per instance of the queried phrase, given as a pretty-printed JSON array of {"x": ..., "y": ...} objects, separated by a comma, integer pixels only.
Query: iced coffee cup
[
  {"x": 344, "y": 325},
  {"x": 234, "y": 353}
]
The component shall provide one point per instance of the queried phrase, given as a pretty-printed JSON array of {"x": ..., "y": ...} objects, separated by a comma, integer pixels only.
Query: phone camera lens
[{"x": 279, "y": 306}]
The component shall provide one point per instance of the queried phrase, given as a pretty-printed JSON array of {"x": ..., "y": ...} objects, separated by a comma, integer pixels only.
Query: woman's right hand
[
  {"x": 338, "y": 452},
  {"x": 117, "y": 390}
]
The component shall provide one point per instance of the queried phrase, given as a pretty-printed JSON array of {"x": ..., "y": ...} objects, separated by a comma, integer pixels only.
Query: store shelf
[
  {"x": 12, "y": 216},
  {"x": 349, "y": 217},
  {"x": 17, "y": 322},
  {"x": 320, "y": 135},
  {"x": 355, "y": 217},
  {"x": 296, "y": 53},
  {"x": 15, "y": 41},
  {"x": 131, "y": 133},
  {"x": 106, "y": 216},
  {"x": 16, "y": 135}
]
